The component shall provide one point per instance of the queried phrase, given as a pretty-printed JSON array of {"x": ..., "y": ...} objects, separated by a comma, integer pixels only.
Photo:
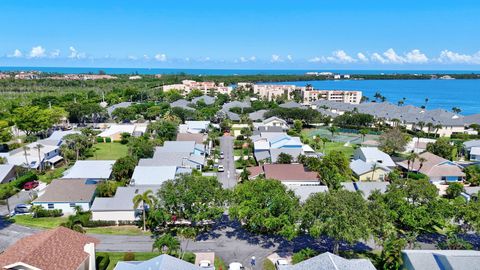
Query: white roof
[
  {"x": 153, "y": 175},
  {"x": 122, "y": 201},
  {"x": 475, "y": 151},
  {"x": 95, "y": 169},
  {"x": 373, "y": 153},
  {"x": 114, "y": 129},
  {"x": 5, "y": 169},
  {"x": 17, "y": 156}
]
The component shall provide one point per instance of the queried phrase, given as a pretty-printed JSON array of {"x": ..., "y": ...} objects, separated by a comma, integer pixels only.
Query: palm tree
[
  {"x": 25, "y": 149},
  {"x": 364, "y": 133},
  {"x": 421, "y": 160},
  {"x": 456, "y": 110},
  {"x": 166, "y": 243},
  {"x": 426, "y": 102},
  {"x": 430, "y": 128},
  {"x": 374, "y": 168},
  {"x": 411, "y": 160},
  {"x": 421, "y": 125},
  {"x": 377, "y": 95},
  {"x": 145, "y": 199},
  {"x": 40, "y": 163},
  {"x": 437, "y": 128},
  {"x": 333, "y": 130}
]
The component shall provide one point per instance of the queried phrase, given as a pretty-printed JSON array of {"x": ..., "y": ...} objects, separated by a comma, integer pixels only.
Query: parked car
[
  {"x": 205, "y": 264},
  {"x": 235, "y": 266},
  {"x": 221, "y": 168},
  {"x": 30, "y": 185},
  {"x": 22, "y": 209},
  {"x": 221, "y": 155},
  {"x": 279, "y": 263}
]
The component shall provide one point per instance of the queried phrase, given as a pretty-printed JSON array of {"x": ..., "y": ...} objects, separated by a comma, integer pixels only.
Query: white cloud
[
  {"x": 132, "y": 57},
  {"x": 417, "y": 57},
  {"x": 16, "y": 54},
  {"x": 74, "y": 54},
  {"x": 362, "y": 57},
  {"x": 450, "y": 57},
  {"x": 55, "y": 53},
  {"x": 393, "y": 57},
  {"x": 315, "y": 59},
  {"x": 290, "y": 58},
  {"x": 146, "y": 57},
  {"x": 276, "y": 58},
  {"x": 378, "y": 58},
  {"x": 161, "y": 57},
  {"x": 246, "y": 59},
  {"x": 37, "y": 52},
  {"x": 342, "y": 57}
]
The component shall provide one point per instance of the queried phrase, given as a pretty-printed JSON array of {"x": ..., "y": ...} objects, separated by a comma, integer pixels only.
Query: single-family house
[
  {"x": 194, "y": 127},
  {"x": 198, "y": 138},
  {"x": 291, "y": 174},
  {"x": 304, "y": 192},
  {"x": 436, "y": 168},
  {"x": 178, "y": 159},
  {"x": 182, "y": 103},
  {"x": 180, "y": 146},
  {"x": 57, "y": 137},
  {"x": 152, "y": 175},
  {"x": 119, "y": 207},
  {"x": 67, "y": 194},
  {"x": 293, "y": 152},
  {"x": 374, "y": 155},
  {"x": 440, "y": 259},
  {"x": 236, "y": 129},
  {"x": 369, "y": 171},
  {"x": 366, "y": 188},
  {"x": 34, "y": 155},
  {"x": 475, "y": 153},
  {"x": 418, "y": 145},
  {"x": 257, "y": 115},
  {"x": 265, "y": 142},
  {"x": 112, "y": 108},
  {"x": 90, "y": 169},
  {"x": 162, "y": 262},
  {"x": 8, "y": 172},
  {"x": 115, "y": 131},
  {"x": 53, "y": 249},
  {"x": 275, "y": 122},
  {"x": 328, "y": 260}
]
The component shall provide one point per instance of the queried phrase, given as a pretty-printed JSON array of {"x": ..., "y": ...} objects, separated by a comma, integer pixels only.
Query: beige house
[{"x": 369, "y": 171}]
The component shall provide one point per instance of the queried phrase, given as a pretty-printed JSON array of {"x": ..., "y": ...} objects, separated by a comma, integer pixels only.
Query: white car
[
  {"x": 235, "y": 266},
  {"x": 205, "y": 264},
  {"x": 221, "y": 168},
  {"x": 221, "y": 155},
  {"x": 279, "y": 263}
]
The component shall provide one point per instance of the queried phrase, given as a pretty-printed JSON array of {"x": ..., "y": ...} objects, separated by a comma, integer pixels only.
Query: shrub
[
  {"x": 100, "y": 223},
  {"x": 108, "y": 140},
  {"x": 302, "y": 255},
  {"x": 41, "y": 212},
  {"x": 189, "y": 257},
  {"x": 31, "y": 138},
  {"x": 9, "y": 189},
  {"x": 127, "y": 222},
  {"x": 14, "y": 146},
  {"x": 100, "y": 139},
  {"x": 268, "y": 265},
  {"x": 129, "y": 256},
  {"x": 102, "y": 261}
]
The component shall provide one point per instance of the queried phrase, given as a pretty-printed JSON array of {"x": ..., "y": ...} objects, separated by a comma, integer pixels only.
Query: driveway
[
  {"x": 228, "y": 177},
  {"x": 19, "y": 198}
]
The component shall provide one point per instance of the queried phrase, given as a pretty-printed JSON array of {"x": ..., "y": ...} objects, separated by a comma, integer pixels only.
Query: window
[
  {"x": 72, "y": 205},
  {"x": 50, "y": 206}
]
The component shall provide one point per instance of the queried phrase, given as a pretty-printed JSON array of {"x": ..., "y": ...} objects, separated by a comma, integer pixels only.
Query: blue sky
[{"x": 301, "y": 34}]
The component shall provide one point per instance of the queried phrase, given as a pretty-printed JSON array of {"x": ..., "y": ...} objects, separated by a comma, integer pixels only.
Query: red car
[{"x": 30, "y": 185}]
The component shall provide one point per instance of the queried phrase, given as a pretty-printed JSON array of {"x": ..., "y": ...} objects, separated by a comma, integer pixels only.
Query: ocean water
[
  {"x": 76, "y": 70},
  {"x": 445, "y": 94}
]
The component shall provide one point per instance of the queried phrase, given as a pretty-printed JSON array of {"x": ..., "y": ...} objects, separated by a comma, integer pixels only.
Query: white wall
[
  {"x": 65, "y": 207},
  {"x": 113, "y": 215}
]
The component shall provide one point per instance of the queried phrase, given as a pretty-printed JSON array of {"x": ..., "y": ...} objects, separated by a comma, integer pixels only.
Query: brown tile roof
[
  {"x": 55, "y": 249},
  {"x": 68, "y": 190},
  {"x": 289, "y": 172},
  {"x": 198, "y": 138},
  {"x": 255, "y": 171},
  {"x": 433, "y": 166}
]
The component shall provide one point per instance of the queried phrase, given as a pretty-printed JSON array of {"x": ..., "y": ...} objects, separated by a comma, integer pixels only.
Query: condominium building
[
  {"x": 311, "y": 95},
  {"x": 188, "y": 85},
  {"x": 273, "y": 91}
]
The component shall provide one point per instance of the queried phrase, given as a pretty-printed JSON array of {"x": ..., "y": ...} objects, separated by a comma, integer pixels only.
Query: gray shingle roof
[
  {"x": 153, "y": 175},
  {"x": 329, "y": 261},
  {"x": 207, "y": 99},
  {"x": 5, "y": 170},
  {"x": 305, "y": 191},
  {"x": 366, "y": 187},
  {"x": 258, "y": 115},
  {"x": 441, "y": 259},
  {"x": 294, "y": 152},
  {"x": 69, "y": 190},
  {"x": 181, "y": 103},
  {"x": 291, "y": 104},
  {"x": 110, "y": 109},
  {"x": 162, "y": 262},
  {"x": 123, "y": 199}
]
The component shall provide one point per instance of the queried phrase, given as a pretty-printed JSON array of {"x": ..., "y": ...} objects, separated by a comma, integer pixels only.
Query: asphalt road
[{"x": 228, "y": 177}]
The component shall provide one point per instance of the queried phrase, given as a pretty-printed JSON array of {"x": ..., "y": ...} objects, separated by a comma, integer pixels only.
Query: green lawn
[
  {"x": 43, "y": 223},
  {"x": 108, "y": 151},
  {"x": 118, "y": 230},
  {"x": 115, "y": 257},
  {"x": 48, "y": 176},
  {"x": 339, "y": 146}
]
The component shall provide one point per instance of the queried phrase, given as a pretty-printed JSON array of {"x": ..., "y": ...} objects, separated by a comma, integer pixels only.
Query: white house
[
  {"x": 67, "y": 194},
  {"x": 34, "y": 154},
  {"x": 152, "y": 175},
  {"x": 119, "y": 207},
  {"x": 475, "y": 153},
  {"x": 374, "y": 155},
  {"x": 194, "y": 127},
  {"x": 90, "y": 169},
  {"x": 275, "y": 122}
]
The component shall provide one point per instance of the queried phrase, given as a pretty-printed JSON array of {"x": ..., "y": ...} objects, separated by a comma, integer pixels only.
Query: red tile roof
[
  {"x": 55, "y": 249},
  {"x": 289, "y": 172}
]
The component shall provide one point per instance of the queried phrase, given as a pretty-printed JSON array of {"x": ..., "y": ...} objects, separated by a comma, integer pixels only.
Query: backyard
[
  {"x": 115, "y": 257},
  {"x": 108, "y": 151}
]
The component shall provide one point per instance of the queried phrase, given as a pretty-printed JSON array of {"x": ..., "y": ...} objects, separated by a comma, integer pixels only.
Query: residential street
[{"x": 228, "y": 177}]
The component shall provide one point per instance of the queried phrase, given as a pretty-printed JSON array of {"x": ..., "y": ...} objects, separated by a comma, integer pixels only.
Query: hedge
[
  {"x": 41, "y": 212},
  {"x": 9, "y": 189},
  {"x": 102, "y": 261},
  {"x": 100, "y": 223}
]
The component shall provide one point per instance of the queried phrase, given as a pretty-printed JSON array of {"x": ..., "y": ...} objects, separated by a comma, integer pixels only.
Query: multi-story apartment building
[
  {"x": 188, "y": 85},
  {"x": 310, "y": 95},
  {"x": 273, "y": 91}
]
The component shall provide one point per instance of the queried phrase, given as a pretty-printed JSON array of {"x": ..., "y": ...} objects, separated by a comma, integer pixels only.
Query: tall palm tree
[
  {"x": 333, "y": 130},
  {"x": 437, "y": 128},
  {"x": 426, "y": 102},
  {"x": 25, "y": 149},
  {"x": 421, "y": 160},
  {"x": 410, "y": 161},
  {"x": 456, "y": 110},
  {"x": 39, "y": 148},
  {"x": 374, "y": 168},
  {"x": 430, "y": 127},
  {"x": 364, "y": 133},
  {"x": 145, "y": 199}
]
